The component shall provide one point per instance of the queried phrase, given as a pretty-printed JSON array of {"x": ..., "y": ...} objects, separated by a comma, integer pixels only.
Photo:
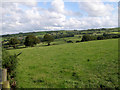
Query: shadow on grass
[
  {"x": 45, "y": 45},
  {"x": 15, "y": 48}
]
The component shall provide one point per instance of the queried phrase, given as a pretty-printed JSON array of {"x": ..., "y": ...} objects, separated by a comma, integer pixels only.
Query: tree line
[
  {"x": 88, "y": 37},
  {"x": 30, "y": 40}
]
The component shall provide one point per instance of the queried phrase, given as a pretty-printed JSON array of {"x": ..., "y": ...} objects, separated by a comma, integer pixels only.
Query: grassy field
[{"x": 76, "y": 65}]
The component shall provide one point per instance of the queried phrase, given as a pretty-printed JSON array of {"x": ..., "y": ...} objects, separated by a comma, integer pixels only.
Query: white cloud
[
  {"x": 58, "y": 6},
  {"x": 17, "y": 19},
  {"x": 91, "y": 22},
  {"x": 30, "y": 3},
  {"x": 63, "y": 0},
  {"x": 96, "y": 8}
]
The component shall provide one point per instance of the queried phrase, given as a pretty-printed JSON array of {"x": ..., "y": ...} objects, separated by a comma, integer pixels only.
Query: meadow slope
[{"x": 77, "y": 65}]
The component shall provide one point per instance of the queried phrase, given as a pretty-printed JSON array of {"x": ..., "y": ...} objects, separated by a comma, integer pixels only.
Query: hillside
[{"x": 77, "y": 65}]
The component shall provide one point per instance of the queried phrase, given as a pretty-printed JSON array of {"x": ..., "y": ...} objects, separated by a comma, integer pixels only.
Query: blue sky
[
  {"x": 57, "y": 15},
  {"x": 74, "y": 6}
]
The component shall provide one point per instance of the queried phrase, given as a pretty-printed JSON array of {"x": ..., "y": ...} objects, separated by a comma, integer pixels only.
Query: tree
[
  {"x": 100, "y": 37},
  {"x": 105, "y": 35},
  {"x": 31, "y": 40},
  {"x": 48, "y": 38},
  {"x": 86, "y": 38},
  {"x": 13, "y": 42}
]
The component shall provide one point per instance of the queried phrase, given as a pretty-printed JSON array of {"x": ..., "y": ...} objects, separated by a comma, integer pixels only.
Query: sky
[{"x": 33, "y": 16}]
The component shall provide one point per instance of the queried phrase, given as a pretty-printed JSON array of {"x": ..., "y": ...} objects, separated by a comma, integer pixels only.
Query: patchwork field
[{"x": 75, "y": 65}]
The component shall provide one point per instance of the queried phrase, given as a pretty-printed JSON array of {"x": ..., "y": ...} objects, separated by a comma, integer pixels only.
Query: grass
[
  {"x": 115, "y": 33},
  {"x": 91, "y": 64}
]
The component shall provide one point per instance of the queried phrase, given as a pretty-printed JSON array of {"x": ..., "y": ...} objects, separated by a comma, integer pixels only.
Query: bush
[
  {"x": 115, "y": 36},
  {"x": 108, "y": 37},
  {"x": 63, "y": 36},
  {"x": 9, "y": 61},
  {"x": 69, "y": 41},
  {"x": 79, "y": 36},
  {"x": 88, "y": 38},
  {"x": 104, "y": 34},
  {"x": 5, "y": 46},
  {"x": 77, "y": 41},
  {"x": 100, "y": 37}
]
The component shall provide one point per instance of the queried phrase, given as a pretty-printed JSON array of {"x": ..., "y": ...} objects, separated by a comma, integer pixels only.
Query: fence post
[
  {"x": 4, "y": 75},
  {"x": 5, "y": 83}
]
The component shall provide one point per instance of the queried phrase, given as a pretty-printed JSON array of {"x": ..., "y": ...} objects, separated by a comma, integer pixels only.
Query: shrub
[
  {"x": 115, "y": 36},
  {"x": 77, "y": 41},
  {"x": 108, "y": 37},
  {"x": 104, "y": 34},
  {"x": 63, "y": 36},
  {"x": 100, "y": 37},
  {"x": 9, "y": 61},
  {"x": 93, "y": 37},
  {"x": 69, "y": 41},
  {"x": 79, "y": 36},
  {"x": 5, "y": 46},
  {"x": 88, "y": 38},
  {"x": 85, "y": 38}
]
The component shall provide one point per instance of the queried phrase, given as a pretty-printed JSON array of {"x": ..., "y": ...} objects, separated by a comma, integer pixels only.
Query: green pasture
[{"x": 92, "y": 64}]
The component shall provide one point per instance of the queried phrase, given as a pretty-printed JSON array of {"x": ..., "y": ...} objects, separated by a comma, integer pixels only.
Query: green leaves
[
  {"x": 48, "y": 38},
  {"x": 14, "y": 41},
  {"x": 9, "y": 61},
  {"x": 31, "y": 40}
]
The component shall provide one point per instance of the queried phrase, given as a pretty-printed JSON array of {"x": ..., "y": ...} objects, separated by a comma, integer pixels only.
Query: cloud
[
  {"x": 30, "y": 3},
  {"x": 91, "y": 22},
  {"x": 91, "y": 1},
  {"x": 28, "y": 17},
  {"x": 96, "y": 8},
  {"x": 58, "y": 6}
]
